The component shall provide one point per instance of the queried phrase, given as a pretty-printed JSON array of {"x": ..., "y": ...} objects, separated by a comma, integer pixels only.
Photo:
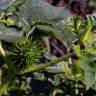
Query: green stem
[
  {"x": 3, "y": 88},
  {"x": 8, "y": 79},
  {"x": 43, "y": 66},
  {"x": 5, "y": 84},
  {"x": 2, "y": 52},
  {"x": 31, "y": 31}
]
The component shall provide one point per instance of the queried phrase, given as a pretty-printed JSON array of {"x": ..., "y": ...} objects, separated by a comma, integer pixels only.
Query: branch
[
  {"x": 2, "y": 52},
  {"x": 43, "y": 66}
]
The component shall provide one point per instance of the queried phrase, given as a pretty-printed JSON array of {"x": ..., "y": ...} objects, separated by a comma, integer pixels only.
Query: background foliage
[{"x": 47, "y": 51}]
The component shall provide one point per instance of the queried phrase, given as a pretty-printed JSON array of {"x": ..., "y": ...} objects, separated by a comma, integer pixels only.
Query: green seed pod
[{"x": 25, "y": 53}]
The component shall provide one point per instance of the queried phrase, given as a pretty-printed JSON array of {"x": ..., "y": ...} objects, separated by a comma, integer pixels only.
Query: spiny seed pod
[{"x": 25, "y": 53}]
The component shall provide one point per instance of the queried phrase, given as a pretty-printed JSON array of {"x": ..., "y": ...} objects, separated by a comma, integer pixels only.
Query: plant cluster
[{"x": 54, "y": 49}]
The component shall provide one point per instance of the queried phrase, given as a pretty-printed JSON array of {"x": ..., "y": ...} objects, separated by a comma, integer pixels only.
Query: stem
[
  {"x": 7, "y": 80},
  {"x": 31, "y": 31},
  {"x": 3, "y": 88},
  {"x": 43, "y": 66},
  {"x": 2, "y": 52},
  {"x": 5, "y": 84}
]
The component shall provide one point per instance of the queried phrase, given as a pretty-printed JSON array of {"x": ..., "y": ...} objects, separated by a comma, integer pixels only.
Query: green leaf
[
  {"x": 9, "y": 34},
  {"x": 36, "y": 15},
  {"x": 89, "y": 67},
  {"x": 89, "y": 74},
  {"x": 77, "y": 49},
  {"x": 90, "y": 79},
  {"x": 85, "y": 34},
  {"x": 13, "y": 4},
  {"x": 8, "y": 22},
  {"x": 77, "y": 23},
  {"x": 43, "y": 30}
]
